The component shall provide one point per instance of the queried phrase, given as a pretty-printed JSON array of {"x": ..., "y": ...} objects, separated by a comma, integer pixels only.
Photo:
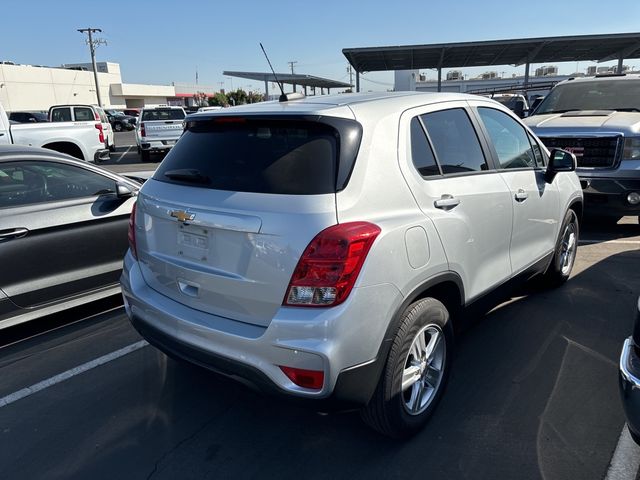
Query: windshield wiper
[
  {"x": 191, "y": 175},
  {"x": 627, "y": 109}
]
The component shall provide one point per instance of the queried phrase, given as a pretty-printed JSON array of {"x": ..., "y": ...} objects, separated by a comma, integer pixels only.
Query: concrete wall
[
  {"x": 37, "y": 88},
  {"x": 23, "y": 87}
]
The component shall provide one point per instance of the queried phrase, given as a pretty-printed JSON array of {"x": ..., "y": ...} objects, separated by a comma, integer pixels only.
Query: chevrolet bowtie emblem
[{"x": 182, "y": 216}]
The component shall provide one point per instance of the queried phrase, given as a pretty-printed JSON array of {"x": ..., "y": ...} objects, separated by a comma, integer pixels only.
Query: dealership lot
[{"x": 533, "y": 395}]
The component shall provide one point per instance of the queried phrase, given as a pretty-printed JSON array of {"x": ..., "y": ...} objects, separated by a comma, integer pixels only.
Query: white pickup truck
[
  {"x": 83, "y": 140},
  {"x": 158, "y": 129}
]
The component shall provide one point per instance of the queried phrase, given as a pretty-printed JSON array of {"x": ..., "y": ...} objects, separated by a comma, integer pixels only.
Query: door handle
[
  {"x": 447, "y": 202},
  {"x": 521, "y": 195},
  {"x": 13, "y": 233}
]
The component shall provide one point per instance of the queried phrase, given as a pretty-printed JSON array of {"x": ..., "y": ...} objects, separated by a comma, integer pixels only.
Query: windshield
[{"x": 605, "y": 94}]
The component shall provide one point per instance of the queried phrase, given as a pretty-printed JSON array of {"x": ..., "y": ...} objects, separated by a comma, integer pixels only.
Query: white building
[{"x": 27, "y": 87}]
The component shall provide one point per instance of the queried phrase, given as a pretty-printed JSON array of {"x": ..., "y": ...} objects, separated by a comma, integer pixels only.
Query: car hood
[{"x": 627, "y": 123}]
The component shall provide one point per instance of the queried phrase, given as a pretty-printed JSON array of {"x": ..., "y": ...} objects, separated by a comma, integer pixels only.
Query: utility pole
[
  {"x": 350, "y": 70},
  {"x": 92, "y": 47},
  {"x": 291, "y": 64}
]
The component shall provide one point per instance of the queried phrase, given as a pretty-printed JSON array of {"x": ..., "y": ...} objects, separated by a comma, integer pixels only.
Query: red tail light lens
[
  {"x": 101, "y": 132},
  {"x": 313, "y": 379},
  {"x": 96, "y": 117},
  {"x": 330, "y": 265},
  {"x": 132, "y": 232},
  {"x": 143, "y": 132}
]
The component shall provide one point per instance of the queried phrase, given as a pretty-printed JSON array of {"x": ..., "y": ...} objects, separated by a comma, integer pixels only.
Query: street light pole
[{"x": 92, "y": 48}]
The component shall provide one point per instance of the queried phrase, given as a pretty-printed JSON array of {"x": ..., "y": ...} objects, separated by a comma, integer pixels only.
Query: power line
[{"x": 93, "y": 43}]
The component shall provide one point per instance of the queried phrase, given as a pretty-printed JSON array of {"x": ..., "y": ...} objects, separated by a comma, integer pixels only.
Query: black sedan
[
  {"x": 630, "y": 378},
  {"x": 119, "y": 121},
  {"x": 63, "y": 232}
]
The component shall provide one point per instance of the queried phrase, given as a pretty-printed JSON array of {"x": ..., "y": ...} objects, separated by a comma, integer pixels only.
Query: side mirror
[
  {"x": 124, "y": 191},
  {"x": 560, "y": 161}
]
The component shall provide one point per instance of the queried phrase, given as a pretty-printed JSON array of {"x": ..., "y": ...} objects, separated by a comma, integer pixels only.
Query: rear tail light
[
  {"x": 143, "y": 132},
  {"x": 101, "y": 132},
  {"x": 330, "y": 265},
  {"x": 96, "y": 117},
  {"x": 132, "y": 232},
  {"x": 313, "y": 379}
]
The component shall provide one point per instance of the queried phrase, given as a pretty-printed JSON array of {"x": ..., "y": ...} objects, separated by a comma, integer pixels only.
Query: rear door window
[
  {"x": 454, "y": 141},
  {"x": 255, "y": 155}
]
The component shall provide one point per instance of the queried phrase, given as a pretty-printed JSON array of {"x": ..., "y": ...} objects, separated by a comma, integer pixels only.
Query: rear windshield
[
  {"x": 258, "y": 155},
  {"x": 163, "y": 114}
]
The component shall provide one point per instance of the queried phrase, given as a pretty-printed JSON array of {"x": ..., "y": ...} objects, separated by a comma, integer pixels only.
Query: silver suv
[{"x": 325, "y": 248}]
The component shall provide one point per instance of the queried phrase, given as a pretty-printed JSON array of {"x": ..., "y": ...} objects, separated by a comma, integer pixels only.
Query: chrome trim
[{"x": 627, "y": 376}]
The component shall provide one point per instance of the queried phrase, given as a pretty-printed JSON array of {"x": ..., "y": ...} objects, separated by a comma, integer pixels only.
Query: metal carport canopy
[
  {"x": 599, "y": 48},
  {"x": 294, "y": 79}
]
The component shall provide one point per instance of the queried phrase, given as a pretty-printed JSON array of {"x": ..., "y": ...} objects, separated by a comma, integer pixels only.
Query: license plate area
[{"x": 193, "y": 242}]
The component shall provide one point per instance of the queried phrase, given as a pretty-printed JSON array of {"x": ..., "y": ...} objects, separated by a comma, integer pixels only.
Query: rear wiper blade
[
  {"x": 187, "y": 175},
  {"x": 627, "y": 109}
]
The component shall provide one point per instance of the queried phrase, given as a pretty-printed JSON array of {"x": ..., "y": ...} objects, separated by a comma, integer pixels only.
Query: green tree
[
  {"x": 255, "y": 97},
  {"x": 239, "y": 97},
  {"x": 219, "y": 100}
]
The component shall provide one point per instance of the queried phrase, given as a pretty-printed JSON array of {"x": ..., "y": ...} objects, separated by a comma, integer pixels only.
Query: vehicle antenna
[{"x": 283, "y": 97}]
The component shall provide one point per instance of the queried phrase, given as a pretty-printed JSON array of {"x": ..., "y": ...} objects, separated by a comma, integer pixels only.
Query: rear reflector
[
  {"x": 143, "y": 131},
  {"x": 313, "y": 379},
  {"x": 330, "y": 265}
]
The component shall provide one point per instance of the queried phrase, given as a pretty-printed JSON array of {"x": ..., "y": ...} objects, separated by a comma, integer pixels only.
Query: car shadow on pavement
[{"x": 533, "y": 394}]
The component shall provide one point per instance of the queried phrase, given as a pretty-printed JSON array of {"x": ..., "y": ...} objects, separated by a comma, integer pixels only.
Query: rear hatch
[
  {"x": 227, "y": 215},
  {"x": 163, "y": 123}
]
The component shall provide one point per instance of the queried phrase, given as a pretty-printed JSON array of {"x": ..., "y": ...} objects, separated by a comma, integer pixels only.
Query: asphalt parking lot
[
  {"x": 533, "y": 395},
  {"x": 126, "y": 158}
]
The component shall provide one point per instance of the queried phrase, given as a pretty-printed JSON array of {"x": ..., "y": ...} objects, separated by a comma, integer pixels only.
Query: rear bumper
[
  {"x": 101, "y": 155},
  {"x": 630, "y": 387},
  {"x": 313, "y": 339},
  {"x": 608, "y": 196},
  {"x": 157, "y": 145}
]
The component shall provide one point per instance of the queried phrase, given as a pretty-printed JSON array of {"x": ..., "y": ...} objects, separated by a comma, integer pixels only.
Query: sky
[{"x": 161, "y": 42}]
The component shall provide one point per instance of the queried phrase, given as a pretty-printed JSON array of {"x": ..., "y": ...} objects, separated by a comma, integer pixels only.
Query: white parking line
[
  {"x": 125, "y": 152},
  {"x": 61, "y": 377},
  {"x": 626, "y": 458}
]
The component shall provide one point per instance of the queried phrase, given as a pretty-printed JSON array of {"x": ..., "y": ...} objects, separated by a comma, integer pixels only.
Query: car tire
[
  {"x": 145, "y": 156},
  {"x": 564, "y": 255},
  {"x": 421, "y": 354},
  {"x": 117, "y": 127},
  {"x": 112, "y": 147}
]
